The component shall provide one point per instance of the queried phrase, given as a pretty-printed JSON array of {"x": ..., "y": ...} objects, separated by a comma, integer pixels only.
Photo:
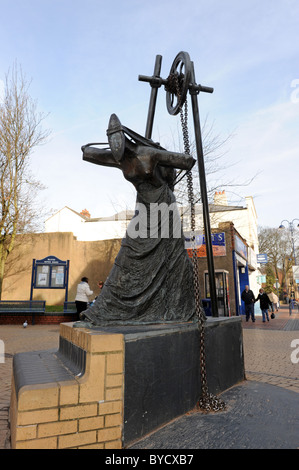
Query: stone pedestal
[{"x": 108, "y": 387}]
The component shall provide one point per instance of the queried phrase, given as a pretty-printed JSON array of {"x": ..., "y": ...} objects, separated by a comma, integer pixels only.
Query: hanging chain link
[{"x": 207, "y": 402}]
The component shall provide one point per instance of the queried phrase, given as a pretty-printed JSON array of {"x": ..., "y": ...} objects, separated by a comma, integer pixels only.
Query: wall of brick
[
  {"x": 39, "y": 319},
  {"x": 86, "y": 412},
  {"x": 91, "y": 259}
]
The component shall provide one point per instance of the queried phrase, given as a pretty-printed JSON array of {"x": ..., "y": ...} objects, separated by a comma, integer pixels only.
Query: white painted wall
[{"x": 84, "y": 229}]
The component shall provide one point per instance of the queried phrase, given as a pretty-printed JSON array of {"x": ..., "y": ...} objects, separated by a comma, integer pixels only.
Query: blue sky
[{"x": 84, "y": 59}]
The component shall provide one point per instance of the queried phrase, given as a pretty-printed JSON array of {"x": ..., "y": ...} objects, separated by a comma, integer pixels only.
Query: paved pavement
[
  {"x": 262, "y": 412},
  {"x": 269, "y": 354}
]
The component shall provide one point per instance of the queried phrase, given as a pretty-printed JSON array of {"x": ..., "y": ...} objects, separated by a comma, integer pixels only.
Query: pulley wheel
[{"x": 178, "y": 83}]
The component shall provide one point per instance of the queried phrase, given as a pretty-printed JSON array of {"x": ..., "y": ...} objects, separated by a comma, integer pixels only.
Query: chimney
[
  {"x": 85, "y": 213},
  {"x": 220, "y": 198}
]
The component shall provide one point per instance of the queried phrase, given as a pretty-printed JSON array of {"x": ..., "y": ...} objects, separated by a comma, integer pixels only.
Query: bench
[
  {"x": 22, "y": 307},
  {"x": 69, "y": 307},
  {"x": 70, "y": 398},
  {"x": 66, "y": 363}
]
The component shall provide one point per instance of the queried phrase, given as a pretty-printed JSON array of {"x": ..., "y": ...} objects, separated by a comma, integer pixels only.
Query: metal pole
[
  {"x": 66, "y": 280},
  {"x": 293, "y": 243},
  {"x": 153, "y": 98},
  {"x": 32, "y": 280},
  {"x": 204, "y": 197},
  {"x": 31, "y": 288}
]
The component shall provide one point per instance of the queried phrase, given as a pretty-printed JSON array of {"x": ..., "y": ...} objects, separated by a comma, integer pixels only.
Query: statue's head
[{"x": 116, "y": 137}]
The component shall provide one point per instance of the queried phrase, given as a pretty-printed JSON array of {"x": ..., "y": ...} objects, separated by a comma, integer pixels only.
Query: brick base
[{"x": 86, "y": 412}]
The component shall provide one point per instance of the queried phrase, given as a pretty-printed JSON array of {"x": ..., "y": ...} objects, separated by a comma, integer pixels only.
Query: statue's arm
[
  {"x": 181, "y": 161},
  {"x": 99, "y": 156}
]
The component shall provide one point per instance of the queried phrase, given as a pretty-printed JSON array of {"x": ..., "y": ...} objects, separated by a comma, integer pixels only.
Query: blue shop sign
[
  {"x": 218, "y": 239},
  {"x": 262, "y": 258},
  {"x": 240, "y": 247}
]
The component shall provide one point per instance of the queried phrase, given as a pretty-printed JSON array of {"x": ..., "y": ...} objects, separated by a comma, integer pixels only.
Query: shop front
[
  {"x": 220, "y": 243},
  {"x": 240, "y": 263},
  {"x": 230, "y": 253}
]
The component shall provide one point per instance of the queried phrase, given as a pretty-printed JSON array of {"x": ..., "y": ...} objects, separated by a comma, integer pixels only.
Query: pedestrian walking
[
  {"x": 81, "y": 299},
  {"x": 248, "y": 299},
  {"x": 291, "y": 305},
  {"x": 274, "y": 301},
  {"x": 265, "y": 304}
]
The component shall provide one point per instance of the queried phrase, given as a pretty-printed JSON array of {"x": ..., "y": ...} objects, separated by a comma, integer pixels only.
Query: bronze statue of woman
[{"x": 151, "y": 280}]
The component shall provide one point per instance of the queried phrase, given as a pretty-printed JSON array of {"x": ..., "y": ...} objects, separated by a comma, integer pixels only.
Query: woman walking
[{"x": 265, "y": 304}]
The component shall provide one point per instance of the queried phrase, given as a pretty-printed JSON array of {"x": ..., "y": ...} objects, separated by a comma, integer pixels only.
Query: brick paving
[
  {"x": 280, "y": 322},
  {"x": 267, "y": 352}
]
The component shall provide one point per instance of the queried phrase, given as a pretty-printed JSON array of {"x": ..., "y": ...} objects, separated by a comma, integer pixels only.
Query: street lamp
[{"x": 291, "y": 228}]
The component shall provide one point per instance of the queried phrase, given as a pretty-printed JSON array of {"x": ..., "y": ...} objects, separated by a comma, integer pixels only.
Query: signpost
[
  {"x": 296, "y": 276},
  {"x": 262, "y": 258},
  {"x": 261, "y": 279}
]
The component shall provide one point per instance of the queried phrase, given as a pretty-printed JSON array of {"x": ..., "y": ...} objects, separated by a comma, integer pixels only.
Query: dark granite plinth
[{"x": 162, "y": 369}]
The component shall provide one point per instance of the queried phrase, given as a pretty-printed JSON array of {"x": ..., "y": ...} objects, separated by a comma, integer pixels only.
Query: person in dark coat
[
  {"x": 248, "y": 299},
  {"x": 265, "y": 304}
]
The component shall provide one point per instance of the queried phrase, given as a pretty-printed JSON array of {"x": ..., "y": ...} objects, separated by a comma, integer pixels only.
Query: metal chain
[
  {"x": 207, "y": 402},
  {"x": 167, "y": 267}
]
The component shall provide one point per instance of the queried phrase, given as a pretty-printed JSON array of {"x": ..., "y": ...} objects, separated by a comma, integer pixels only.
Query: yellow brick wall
[
  {"x": 86, "y": 412},
  {"x": 92, "y": 259}
]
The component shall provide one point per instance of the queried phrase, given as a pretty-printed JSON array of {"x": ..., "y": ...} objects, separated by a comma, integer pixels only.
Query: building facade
[{"x": 86, "y": 228}]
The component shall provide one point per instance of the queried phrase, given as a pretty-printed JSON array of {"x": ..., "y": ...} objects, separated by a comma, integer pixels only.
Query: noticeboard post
[{"x": 50, "y": 273}]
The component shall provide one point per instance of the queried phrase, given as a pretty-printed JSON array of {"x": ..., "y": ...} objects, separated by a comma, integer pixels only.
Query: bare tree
[
  {"x": 215, "y": 148},
  {"x": 20, "y": 133},
  {"x": 277, "y": 245}
]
